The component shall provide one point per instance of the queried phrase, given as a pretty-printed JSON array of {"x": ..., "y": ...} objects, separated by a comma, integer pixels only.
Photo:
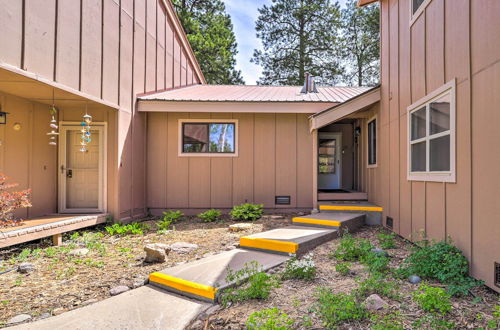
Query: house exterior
[{"x": 421, "y": 145}]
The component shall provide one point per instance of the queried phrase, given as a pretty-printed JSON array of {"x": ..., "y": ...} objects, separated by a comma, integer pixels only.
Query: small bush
[
  {"x": 335, "y": 309},
  {"x": 343, "y": 268},
  {"x": 269, "y": 319},
  {"x": 258, "y": 286},
  {"x": 134, "y": 228},
  {"x": 392, "y": 321},
  {"x": 495, "y": 322},
  {"x": 432, "y": 299},
  {"x": 376, "y": 262},
  {"x": 443, "y": 262},
  {"x": 304, "y": 268},
  {"x": 163, "y": 226},
  {"x": 351, "y": 249},
  {"x": 210, "y": 215},
  {"x": 10, "y": 201},
  {"x": 386, "y": 241},
  {"x": 433, "y": 321},
  {"x": 376, "y": 284},
  {"x": 247, "y": 212},
  {"x": 172, "y": 216}
]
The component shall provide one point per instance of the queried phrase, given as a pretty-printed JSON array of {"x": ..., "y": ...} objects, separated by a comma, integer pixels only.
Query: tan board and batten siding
[
  {"x": 107, "y": 51},
  {"x": 274, "y": 158},
  {"x": 451, "y": 39}
]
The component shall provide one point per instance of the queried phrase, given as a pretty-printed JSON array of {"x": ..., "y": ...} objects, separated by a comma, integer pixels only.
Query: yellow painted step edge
[
  {"x": 350, "y": 208},
  {"x": 333, "y": 223},
  {"x": 183, "y": 285},
  {"x": 269, "y": 244}
]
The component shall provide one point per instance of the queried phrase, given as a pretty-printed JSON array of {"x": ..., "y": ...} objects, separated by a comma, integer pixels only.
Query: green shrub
[
  {"x": 392, "y": 321},
  {"x": 172, "y": 216},
  {"x": 495, "y": 322},
  {"x": 210, "y": 215},
  {"x": 433, "y": 321},
  {"x": 269, "y": 319},
  {"x": 351, "y": 249},
  {"x": 343, "y": 268},
  {"x": 440, "y": 261},
  {"x": 304, "y": 268},
  {"x": 163, "y": 226},
  {"x": 376, "y": 284},
  {"x": 134, "y": 228},
  {"x": 335, "y": 309},
  {"x": 258, "y": 284},
  {"x": 386, "y": 241},
  {"x": 25, "y": 254},
  {"x": 376, "y": 262},
  {"x": 432, "y": 299},
  {"x": 247, "y": 212}
]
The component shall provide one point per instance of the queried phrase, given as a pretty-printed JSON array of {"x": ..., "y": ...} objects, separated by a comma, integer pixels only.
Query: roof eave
[{"x": 362, "y": 3}]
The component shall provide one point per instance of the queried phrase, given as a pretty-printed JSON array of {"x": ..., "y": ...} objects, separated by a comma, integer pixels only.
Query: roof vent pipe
[{"x": 309, "y": 84}]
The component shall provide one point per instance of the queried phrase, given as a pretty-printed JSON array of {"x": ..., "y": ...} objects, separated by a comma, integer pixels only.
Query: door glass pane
[
  {"x": 418, "y": 124},
  {"x": 440, "y": 114},
  {"x": 418, "y": 157},
  {"x": 195, "y": 138},
  {"x": 440, "y": 154},
  {"x": 221, "y": 137},
  {"x": 326, "y": 156}
]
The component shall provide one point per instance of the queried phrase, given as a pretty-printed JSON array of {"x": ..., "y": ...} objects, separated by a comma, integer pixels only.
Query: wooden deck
[{"x": 53, "y": 225}]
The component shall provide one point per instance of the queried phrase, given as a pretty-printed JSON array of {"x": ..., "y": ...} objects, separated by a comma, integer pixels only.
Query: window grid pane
[
  {"x": 439, "y": 113},
  {"x": 208, "y": 137},
  {"x": 418, "y": 157},
  {"x": 439, "y": 154},
  {"x": 418, "y": 124}
]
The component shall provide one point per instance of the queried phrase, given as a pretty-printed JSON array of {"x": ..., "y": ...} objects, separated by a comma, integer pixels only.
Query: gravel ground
[{"x": 61, "y": 281}]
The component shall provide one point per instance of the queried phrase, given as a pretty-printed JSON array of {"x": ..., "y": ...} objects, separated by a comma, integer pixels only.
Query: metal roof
[{"x": 248, "y": 93}]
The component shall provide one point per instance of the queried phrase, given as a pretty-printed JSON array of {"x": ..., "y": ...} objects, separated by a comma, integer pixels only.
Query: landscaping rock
[
  {"x": 380, "y": 251},
  {"x": 138, "y": 283},
  {"x": 44, "y": 316},
  {"x": 19, "y": 319},
  {"x": 79, "y": 252},
  {"x": 58, "y": 311},
  {"x": 277, "y": 217},
  {"x": 118, "y": 289},
  {"x": 414, "y": 279},
  {"x": 375, "y": 303},
  {"x": 25, "y": 268},
  {"x": 240, "y": 227},
  {"x": 89, "y": 302},
  {"x": 197, "y": 325},
  {"x": 300, "y": 214},
  {"x": 156, "y": 252},
  {"x": 183, "y": 247}
]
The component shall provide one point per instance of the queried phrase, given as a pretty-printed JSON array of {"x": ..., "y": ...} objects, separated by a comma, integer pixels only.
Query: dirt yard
[
  {"x": 298, "y": 297},
  {"x": 62, "y": 281}
]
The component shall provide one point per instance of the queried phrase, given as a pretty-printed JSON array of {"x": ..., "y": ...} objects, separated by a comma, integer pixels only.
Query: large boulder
[
  {"x": 183, "y": 247},
  {"x": 156, "y": 252},
  {"x": 375, "y": 303}
]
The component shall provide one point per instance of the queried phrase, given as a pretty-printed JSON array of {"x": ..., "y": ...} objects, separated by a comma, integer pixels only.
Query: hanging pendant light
[
  {"x": 85, "y": 137},
  {"x": 53, "y": 123}
]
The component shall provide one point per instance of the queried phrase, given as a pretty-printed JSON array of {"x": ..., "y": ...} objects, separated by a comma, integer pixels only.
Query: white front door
[
  {"x": 329, "y": 160},
  {"x": 81, "y": 174}
]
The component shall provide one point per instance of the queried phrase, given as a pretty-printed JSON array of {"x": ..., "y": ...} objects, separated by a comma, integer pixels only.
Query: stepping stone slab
[
  {"x": 351, "y": 221},
  {"x": 291, "y": 239},
  {"x": 204, "y": 278}
]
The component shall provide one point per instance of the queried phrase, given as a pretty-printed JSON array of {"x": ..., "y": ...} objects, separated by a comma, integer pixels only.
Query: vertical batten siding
[
  {"x": 274, "y": 158},
  {"x": 451, "y": 39}
]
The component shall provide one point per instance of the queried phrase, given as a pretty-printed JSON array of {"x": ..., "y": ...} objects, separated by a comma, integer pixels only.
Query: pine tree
[
  {"x": 298, "y": 36},
  {"x": 210, "y": 33},
  {"x": 360, "y": 44}
]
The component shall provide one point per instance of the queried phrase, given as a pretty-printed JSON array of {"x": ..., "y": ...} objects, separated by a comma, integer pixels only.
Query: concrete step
[
  {"x": 203, "y": 279},
  {"x": 372, "y": 212},
  {"x": 349, "y": 221},
  {"x": 291, "y": 239}
]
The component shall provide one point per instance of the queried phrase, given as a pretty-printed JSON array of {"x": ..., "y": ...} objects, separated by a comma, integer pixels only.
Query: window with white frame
[
  {"x": 372, "y": 142},
  {"x": 208, "y": 137},
  {"x": 431, "y": 128}
]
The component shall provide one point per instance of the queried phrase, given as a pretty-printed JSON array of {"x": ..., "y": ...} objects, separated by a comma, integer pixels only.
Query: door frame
[
  {"x": 64, "y": 127},
  {"x": 338, "y": 137}
]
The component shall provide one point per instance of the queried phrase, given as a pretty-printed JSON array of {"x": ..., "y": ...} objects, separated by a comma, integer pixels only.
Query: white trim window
[
  {"x": 431, "y": 136},
  {"x": 208, "y": 137},
  {"x": 371, "y": 130}
]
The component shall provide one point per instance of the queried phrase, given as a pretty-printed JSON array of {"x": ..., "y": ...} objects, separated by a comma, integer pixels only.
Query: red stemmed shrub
[{"x": 11, "y": 201}]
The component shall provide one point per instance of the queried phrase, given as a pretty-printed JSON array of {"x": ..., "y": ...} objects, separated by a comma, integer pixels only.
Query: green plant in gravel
[
  {"x": 376, "y": 284},
  {"x": 376, "y": 262},
  {"x": 163, "y": 226},
  {"x": 133, "y": 228},
  {"x": 247, "y": 212},
  {"x": 351, "y": 248},
  {"x": 495, "y": 322},
  {"x": 269, "y": 319},
  {"x": 258, "y": 284},
  {"x": 432, "y": 299},
  {"x": 440, "y": 261},
  {"x": 172, "y": 216},
  {"x": 303, "y": 269},
  {"x": 343, "y": 268},
  {"x": 337, "y": 308},
  {"x": 25, "y": 254},
  {"x": 94, "y": 263},
  {"x": 210, "y": 215},
  {"x": 391, "y": 321},
  {"x": 387, "y": 240},
  {"x": 433, "y": 321},
  {"x": 50, "y": 251}
]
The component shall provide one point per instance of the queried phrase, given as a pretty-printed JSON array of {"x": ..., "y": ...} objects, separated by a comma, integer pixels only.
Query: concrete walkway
[{"x": 167, "y": 302}]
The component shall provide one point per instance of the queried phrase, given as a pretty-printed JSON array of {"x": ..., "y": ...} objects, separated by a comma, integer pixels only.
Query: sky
[{"x": 244, "y": 13}]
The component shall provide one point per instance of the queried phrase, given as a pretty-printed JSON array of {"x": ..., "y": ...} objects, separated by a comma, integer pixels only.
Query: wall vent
[
  {"x": 497, "y": 274},
  {"x": 282, "y": 200},
  {"x": 389, "y": 222}
]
